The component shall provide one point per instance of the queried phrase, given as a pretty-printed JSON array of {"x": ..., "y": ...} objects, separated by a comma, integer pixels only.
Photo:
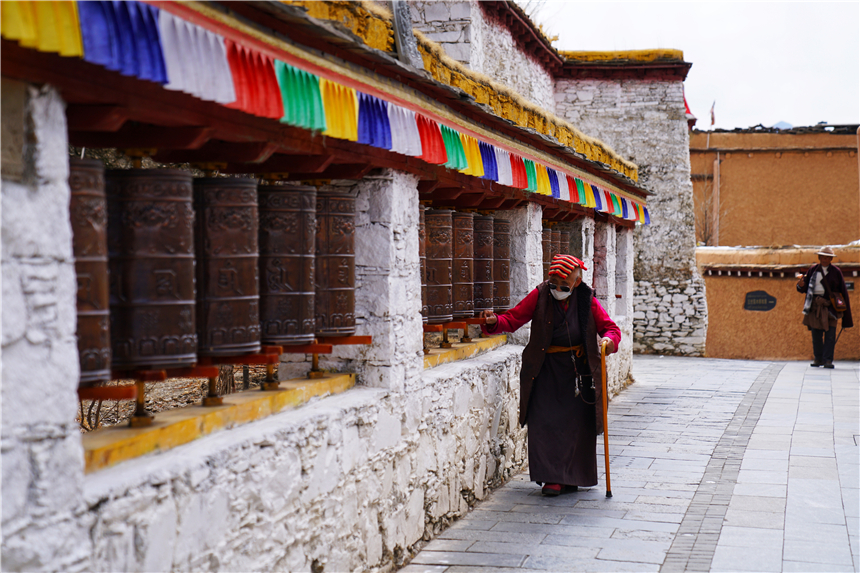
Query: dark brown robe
[{"x": 562, "y": 426}]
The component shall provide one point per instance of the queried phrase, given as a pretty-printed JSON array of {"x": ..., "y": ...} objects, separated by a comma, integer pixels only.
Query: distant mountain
[{"x": 782, "y": 125}]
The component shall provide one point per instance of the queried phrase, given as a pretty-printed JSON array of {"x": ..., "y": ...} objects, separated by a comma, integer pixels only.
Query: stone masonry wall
[
  {"x": 347, "y": 483},
  {"x": 468, "y": 36},
  {"x": 43, "y": 521},
  {"x": 645, "y": 121}
]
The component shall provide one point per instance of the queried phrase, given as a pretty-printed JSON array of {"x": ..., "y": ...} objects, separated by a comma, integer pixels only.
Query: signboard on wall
[{"x": 759, "y": 300}]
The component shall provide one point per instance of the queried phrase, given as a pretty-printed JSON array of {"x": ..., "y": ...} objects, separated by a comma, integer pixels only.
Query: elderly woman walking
[
  {"x": 560, "y": 380},
  {"x": 826, "y": 302}
]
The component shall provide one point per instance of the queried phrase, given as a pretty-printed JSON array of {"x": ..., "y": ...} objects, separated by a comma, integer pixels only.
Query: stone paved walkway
[{"x": 717, "y": 465}]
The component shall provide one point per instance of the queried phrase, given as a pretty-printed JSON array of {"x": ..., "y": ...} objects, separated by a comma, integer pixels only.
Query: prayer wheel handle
[{"x": 603, "y": 344}]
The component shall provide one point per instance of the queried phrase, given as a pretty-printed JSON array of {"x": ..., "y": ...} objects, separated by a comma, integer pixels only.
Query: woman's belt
[{"x": 577, "y": 350}]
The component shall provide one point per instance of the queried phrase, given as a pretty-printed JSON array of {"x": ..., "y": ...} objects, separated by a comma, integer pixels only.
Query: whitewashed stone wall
[
  {"x": 349, "y": 482},
  {"x": 43, "y": 519},
  {"x": 645, "y": 121},
  {"x": 468, "y": 36}
]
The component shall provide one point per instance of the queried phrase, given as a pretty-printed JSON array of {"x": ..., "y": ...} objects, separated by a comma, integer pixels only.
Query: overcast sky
[{"x": 762, "y": 62}]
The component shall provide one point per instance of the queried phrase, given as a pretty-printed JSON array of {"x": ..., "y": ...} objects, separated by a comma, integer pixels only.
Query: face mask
[{"x": 558, "y": 295}]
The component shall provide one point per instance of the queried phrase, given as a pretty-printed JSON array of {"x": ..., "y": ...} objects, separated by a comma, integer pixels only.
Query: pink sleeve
[
  {"x": 514, "y": 318},
  {"x": 605, "y": 326}
]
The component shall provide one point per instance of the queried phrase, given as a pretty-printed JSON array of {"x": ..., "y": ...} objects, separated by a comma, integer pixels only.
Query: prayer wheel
[
  {"x": 556, "y": 244},
  {"x": 89, "y": 216},
  {"x": 565, "y": 243},
  {"x": 226, "y": 242},
  {"x": 334, "y": 274},
  {"x": 151, "y": 250},
  {"x": 483, "y": 264},
  {"x": 464, "y": 254},
  {"x": 501, "y": 265},
  {"x": 546, "y": 244},
  {"x": 422, "y": 254},
  {"x": 439, "y": 252},
  {"x": 287, "y": 237}
]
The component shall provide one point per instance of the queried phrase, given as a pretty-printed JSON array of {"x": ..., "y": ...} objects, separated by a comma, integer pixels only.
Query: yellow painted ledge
[
  {"x": 110, "y": 446},
  {"x": 461, "y": 351}
]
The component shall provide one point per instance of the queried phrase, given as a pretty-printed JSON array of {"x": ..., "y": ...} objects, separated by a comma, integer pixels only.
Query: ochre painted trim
[
  {"x": 461, "y": 351},
  {"x": 109, "y": 446},
  {"x": 638, "y": 56}
]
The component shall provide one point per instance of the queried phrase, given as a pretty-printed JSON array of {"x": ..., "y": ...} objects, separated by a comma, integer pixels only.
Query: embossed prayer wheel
[
  {"x": 287, "y": 237},
  {"x": 228, "y": 294},
  {"x": 464, "y": 270},
  {"x": 440, "y": 252},
  {"x": 565, "y": 243},
  {"x": 483, "y": 264},
  {"x": 151, "y": 249},
  {"x": 422, "y": 254},
  {"x": 89, "y": 216},
  {"x": 556, "y": 244},
  {"x": 546, "y": 245},
  {"x": 334, "y": 305},
  {"x": 501, "y": 265}
]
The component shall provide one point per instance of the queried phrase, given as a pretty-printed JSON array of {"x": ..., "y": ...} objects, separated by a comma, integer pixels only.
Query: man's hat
[
  {"x": 563, "y": 265},
  {"x": 826, "y": 251}
]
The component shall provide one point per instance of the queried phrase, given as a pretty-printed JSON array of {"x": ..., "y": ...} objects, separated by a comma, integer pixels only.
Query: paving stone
[
  {"x": 499, "y": 536},
  {"x": 806, "y": 567},
  {"x": 443, "y": 544},
  {"x": 416, "y": 568},
  {"x": 746, "y": 559},
  {"x": 818, "y": 552},
  {"x": 462, "y": 558}
]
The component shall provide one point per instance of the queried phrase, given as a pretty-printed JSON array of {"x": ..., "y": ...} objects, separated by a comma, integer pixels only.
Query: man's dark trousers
[{"x": 823, "y": 343}]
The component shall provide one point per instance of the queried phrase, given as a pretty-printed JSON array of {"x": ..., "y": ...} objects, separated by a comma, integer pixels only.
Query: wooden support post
[
  {"x": 270, "y": 383},
  {"x": 213, "y": 399},
  {"x": 141, "y": 418}
]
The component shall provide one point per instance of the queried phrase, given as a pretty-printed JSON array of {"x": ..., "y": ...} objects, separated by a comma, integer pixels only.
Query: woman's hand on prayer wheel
[{"x": 490, "y": 316}]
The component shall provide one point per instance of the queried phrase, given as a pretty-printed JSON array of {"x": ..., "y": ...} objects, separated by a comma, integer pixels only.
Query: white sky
[{"x": 762, "y": 62}]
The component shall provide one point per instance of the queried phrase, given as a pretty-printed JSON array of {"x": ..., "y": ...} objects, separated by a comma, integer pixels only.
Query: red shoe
[{"x": 551, "y": 489}]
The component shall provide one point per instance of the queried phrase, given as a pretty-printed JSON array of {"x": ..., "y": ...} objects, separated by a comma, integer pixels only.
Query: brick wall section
[
  {"x": 645, "y": 122},
  {"x": 44, "y": 525}
]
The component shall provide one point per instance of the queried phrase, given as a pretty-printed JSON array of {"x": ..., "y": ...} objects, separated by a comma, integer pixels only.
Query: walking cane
[{"x": 605, "y": 417}]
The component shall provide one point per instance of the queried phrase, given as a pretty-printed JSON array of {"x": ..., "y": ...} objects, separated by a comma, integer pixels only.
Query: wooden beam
[
  {"x": 222, "y": 151},
  {"x": 95, "y": 117},
  {"x": 283, "y": 163},
  {"x": 144, "y": 136}
]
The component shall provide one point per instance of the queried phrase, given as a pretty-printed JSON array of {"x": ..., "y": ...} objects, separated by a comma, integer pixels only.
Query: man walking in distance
[
  {"x": 561, "y": 380},
  {"x": 826, "y": 302}
]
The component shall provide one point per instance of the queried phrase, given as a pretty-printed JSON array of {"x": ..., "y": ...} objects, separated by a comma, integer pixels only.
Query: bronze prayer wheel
[
  {"x": 439, "y": 251},
  {"x": 89, "y": 216},
  {"x": 546, "y": 244},
  {"x": 556, "y": 244},
  {"x": 464, "y": 254},
  {"x": 228, "y": 294},
  {"x": 422, "y": 254},
  {"x": 501, "y": 265},
  {"x": 483, "y": 264},
  {"x": 565, "y": 243},
  {"x": 334, "y": 274},
  {"x": 287, "y": 237},
  {"x": 151, "y": 249}
]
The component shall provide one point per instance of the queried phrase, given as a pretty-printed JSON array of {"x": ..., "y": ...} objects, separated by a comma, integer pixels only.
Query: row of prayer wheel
[
  {"x": 465, "y": 264},
  {"x": 170, "y": 267},
  {"x": 553, "y": 243}
]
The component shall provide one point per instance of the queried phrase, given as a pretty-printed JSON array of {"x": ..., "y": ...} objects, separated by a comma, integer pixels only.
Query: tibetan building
[{"x": 326, "y": 194}]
